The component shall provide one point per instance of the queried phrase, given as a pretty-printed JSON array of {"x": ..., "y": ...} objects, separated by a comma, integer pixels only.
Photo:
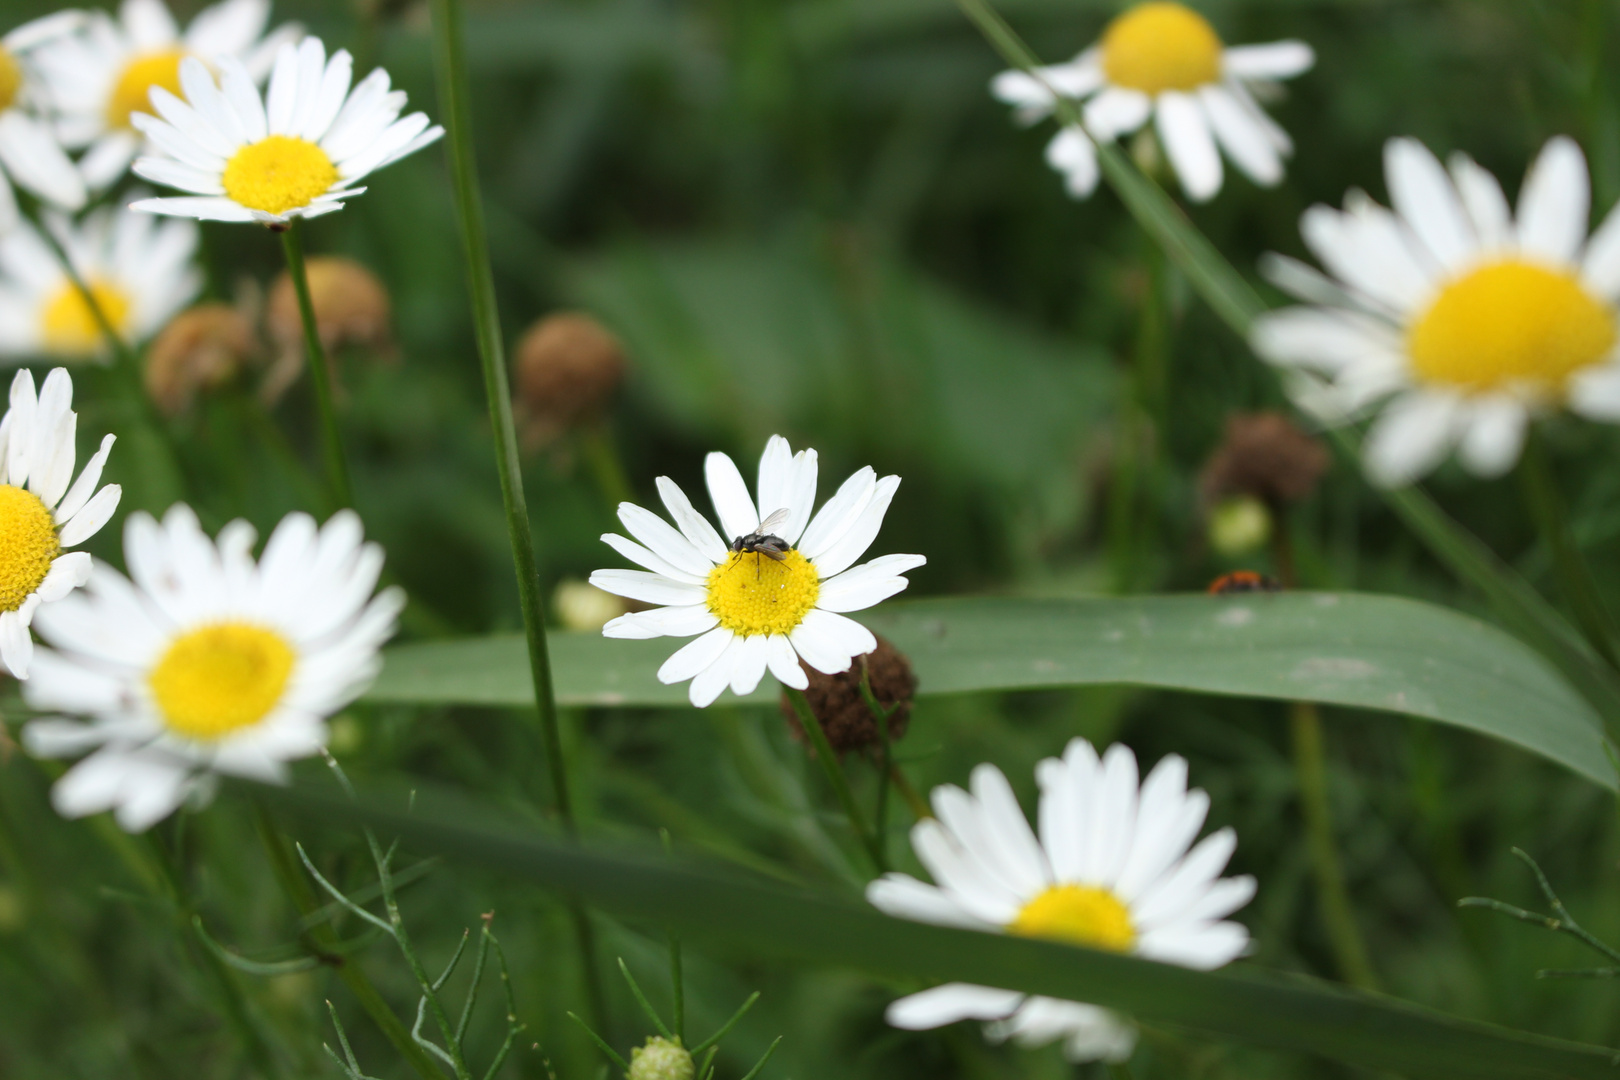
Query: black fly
[{"x": 762, "y": 542}]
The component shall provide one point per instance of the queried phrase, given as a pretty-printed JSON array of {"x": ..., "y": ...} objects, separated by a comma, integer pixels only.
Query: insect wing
[{"x": 776, "y": 520}]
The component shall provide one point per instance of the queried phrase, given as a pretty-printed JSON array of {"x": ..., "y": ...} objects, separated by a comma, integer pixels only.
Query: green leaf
[
  {"x": 751, "y": 919},
  {"x": 1375, "y": 652}
]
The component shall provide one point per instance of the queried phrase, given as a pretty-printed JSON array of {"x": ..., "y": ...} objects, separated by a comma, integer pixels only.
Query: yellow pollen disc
[
  {"x": 69, "y": 326},
  {"x": 1078, "y": 915},
  {"x": 220, "y": 678},
  {"x": 27, "y": 545},
  {"x": 11, "y": 80},
  {"x": 132, "y": 92},
  {"x": 1161, "y": 46},
  {"x": 278, "y": 173},
  {"x": 1510, "y": 323},
  {"x": 754, "y": 594}
]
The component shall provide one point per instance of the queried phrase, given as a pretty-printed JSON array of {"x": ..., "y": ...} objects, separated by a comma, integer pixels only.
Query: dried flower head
[
  {"x": 352, "y": 309},
  {"x": 201, "y": 349},
  {"x": 568, "y": 368},
  {"x": 1264, "y": 455},
  {"x": 842, "y": 709}
]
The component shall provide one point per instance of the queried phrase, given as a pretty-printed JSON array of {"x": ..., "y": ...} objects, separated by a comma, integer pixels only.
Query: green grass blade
[
  {"x": 1350, "y": 649},
  {"x": 750, "y": 918}
]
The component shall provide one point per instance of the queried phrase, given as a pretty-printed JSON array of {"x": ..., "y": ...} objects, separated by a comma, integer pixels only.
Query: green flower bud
[
  {"x": 1239, "y": 525},
  {"x": 661, "y": 1059}
]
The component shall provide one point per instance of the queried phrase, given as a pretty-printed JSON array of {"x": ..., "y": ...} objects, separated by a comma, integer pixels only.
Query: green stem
[
  {"x": 1574, "y": 576},
  {"x": 602, "y": 456},
  {"x": 450, "y": 67},
  {"x": 320, "y": 369},
  {"x": 835, "y": 776},
  {"x": 1332, "y": 898}
]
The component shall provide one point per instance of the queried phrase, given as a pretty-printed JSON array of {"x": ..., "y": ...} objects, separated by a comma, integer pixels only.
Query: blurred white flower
[
  {"x": 1111, "y": 870},
  {"x": 297, "y": 152},
  {"x": 30, "y": 156},
  {"x": 206, "y": 662},
  {"x": 139, "y": 270},
  {"x": 94, "y": 80},
  {"x": 762, "y": 608},
  {"x": 1452, "y": 317},
  {"x": 41, "y": 514},
  {"x": 1163, "y": 61}
]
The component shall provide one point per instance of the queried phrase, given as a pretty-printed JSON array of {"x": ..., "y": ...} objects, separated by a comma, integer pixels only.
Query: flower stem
[
  {"x": 1574, "y": 576},
  {"x": 835, "y": 776},
  {"x": 320, "y": 369}
]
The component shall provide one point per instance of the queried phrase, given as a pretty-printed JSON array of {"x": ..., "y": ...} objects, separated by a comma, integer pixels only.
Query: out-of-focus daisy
[
  {"x": 139, "y": 270},
  {"x": 770, "y": 595},
  {"x": 96, "y": 80},
  {"x": 1164, "y": 61},
  {"x": 1456, "y": 318},
  {"x": 296, "y": 153},
  {"x": 41, "y": 515},
  {"x": 1111, "y": 870},
  {"x": 30, "y": 156},
  {"x": 205, "y": 663}
]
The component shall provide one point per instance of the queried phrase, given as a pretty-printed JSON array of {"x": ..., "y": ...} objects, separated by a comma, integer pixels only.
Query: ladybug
[{"x": 1243, "y": 581}]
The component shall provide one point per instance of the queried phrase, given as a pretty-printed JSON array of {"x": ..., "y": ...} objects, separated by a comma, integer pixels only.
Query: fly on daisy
[
  {"x": 1454, "y": 317},
  {"x": 96, "y": 80},
  {"x": 43, "y": 511},
  {"x": 769, "y": 591},
  {"x": 1164, "y": 61},
  {"x": 30, "y": 156},
  {"x": 138, "y": 270},
  {"x": 297, "y": 152},
  {"x": 1111, "y": 870},
  {"x": 205, "y": 663}
]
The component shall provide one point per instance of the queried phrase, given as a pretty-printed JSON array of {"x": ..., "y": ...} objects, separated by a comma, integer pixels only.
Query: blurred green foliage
[{"x": 810, "y": 218}]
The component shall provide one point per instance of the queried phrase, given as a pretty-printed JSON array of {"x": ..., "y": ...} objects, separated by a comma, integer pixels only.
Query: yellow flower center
[
  {"x": 28, "y": 543},
  {"x": 132, "y": 93},
  {"x": 278, "y": 173},
  {"x": 11, "y": 80},
  {"x": 1161, "y": 46},
  {"x": 220, "y": 678},
  {"x": 68, "y": 324},
  {"x": 1510, "y": 323},
  {"x": 755, "y": 594},
  {"x": 1078, "y": 915}
]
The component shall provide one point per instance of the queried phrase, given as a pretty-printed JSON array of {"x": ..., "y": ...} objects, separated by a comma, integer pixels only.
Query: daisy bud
[
  {"x": 582, "y": 606},
  {"x": 1266, "y": 456},
  {"x": 1238, "y": 526},
  {"x": 843, "y": 711},
  {"x": 352, "y": 309},
  {"x": 200, "y": 349},
  {"x": 568, "y": 369},
  {"x": 661, "y": 1059}
]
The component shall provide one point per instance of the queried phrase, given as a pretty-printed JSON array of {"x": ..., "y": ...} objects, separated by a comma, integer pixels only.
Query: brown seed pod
[
  {"x": 352, "y": 310},
  {"x": 568, "y": 368},
  {"x": 838, "y": 703},
  {"x": 1266, "y": 455},
  {"x": 201, "y": 349}
]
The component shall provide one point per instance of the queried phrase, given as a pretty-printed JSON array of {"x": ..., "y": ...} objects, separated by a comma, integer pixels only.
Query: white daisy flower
[
  {"x": 295, "y": 153},
  {"x": 1164, "y": 61},
  {"x": 1457, "y": 318},
  {"x": 775, "y": 592},
  {"x": 1111, "y": 870},
  {"x": 30, "y": 156},
  {"x": 41, "y": 515},
  {"x": 205, "y": 663},
  {"x": 139, "y": 270},
  {"x": 96, "y": 80}
]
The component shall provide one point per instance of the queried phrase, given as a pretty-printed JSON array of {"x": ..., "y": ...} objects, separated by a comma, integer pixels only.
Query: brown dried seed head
[
  {"x": 352, "y": 306},
  {"x": 1266, "y": 455},
  {"x": 845, "y": 716},
  {"x": 568, "y": 368},
  {"x": 200, "y": 349}
]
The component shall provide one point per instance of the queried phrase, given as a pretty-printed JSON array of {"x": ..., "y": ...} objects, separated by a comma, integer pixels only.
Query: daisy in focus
[
  {"x": 297, "y": 152},
  {"x": 1454, "y": 318},
  {"x": 205, "y": 663},
  {"x": 773, "y": 592},
  {"x": 96, "y": 80},
  {"x": 1163, "y": 61},
  {"x": 139, "y": 271},
  {"x": 1111, "y": 870},
  {"x": 30, "y": 156},
  {"x": 43, "y": 511}
]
